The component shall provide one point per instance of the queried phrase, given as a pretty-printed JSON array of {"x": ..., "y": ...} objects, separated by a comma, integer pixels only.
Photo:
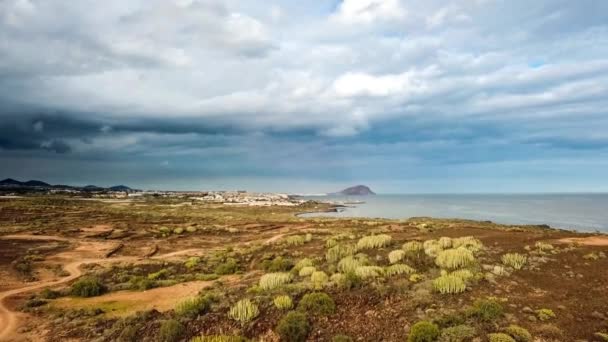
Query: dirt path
[
  {"x": 588, "y": 241},
  {"x": 9, "y": 320}
]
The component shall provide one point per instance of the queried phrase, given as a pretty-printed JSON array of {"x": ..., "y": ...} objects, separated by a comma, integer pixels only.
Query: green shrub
[
  {"x": 486, "y": 310},
  {"x": 229, "y": 267},
  {"x": 423, "y": 331},
  {"x": 88, "y": 287},
  {"x": 518, "y": 333},
  {"x": 283, "y": 302},
  {"x": 458, "y": 333},
  {"x": 171, "y": 331},
  {"x": 219, "y": 338},
  {"x": 295, "y": 240},
  {"x": 346, "y": 280},
  {"x": 398, "y": 269},
  {"x": 306, "y": 271},
  {"x": 543, "y": 246},
  {"x": 500, "y": 337},
  {"x": 396, "y": 256},
  {"x": 341, "y": 338},
  {"x": 331, "y": 242},
  {"x": 273, "y": 280},
  {"x": 515, "y": 260},
  {"x": 294, "y": 327},
  {"x": 463, "y": 274},
  {"x": 449, "y": 284},
  {"x": 374, "y": 241},
  {"x": 162, "y": 274},
  {"x": 317, "y": 303},
  {"x": 278, "y": 264},
  {"x": 413, "y": 247},
  {"x": 191, "y": 229},
  {"x": 545, "y": 314},
  {"x": 192, "y": 262},
  {"x": 49, "y": 294},
  {"x": 141, "y": 283},
  {"x": 244, "y": 311},
  {"x": 455, "y": 258},
  {"x": 178, "y": 230},
  {"x": 193, "y": 307},
  {"x": 319, "y": 279},
  {"x": 366, "y": 272},
  {"x": 306, "y": 262}
]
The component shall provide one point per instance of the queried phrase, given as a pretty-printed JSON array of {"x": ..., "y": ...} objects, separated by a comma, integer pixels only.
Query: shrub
[
  {"x": 374, "y": 241},
  {"x": 273, "y": 280},
  {"x": 455, "y": 258},
  {"x": 49, "y": 294},
  {"x": 341, "y": 338},
  {"x": 445, "y": 242},
  {"x": 228, "y": 267},
  {"x": 283, "y": 302},
  {"x": 486, "y": 310},
  {"x": 193, "y": 307},
  {"x": 178, "y": 230},
  {"x": 543, "y": 246},
  {"x": 423, "y": 331},
  {"x": 449, "y": 284},
  {"x": 308, "y": 237},
  {"x": 307, "y": 271},
  {"x": 349, "y": 264},
  {"x": 413, "y": 247},
  {"x": 244, "y": 311},
  {"x": 278, "y": 264},
  {"x": 319, "y": 278},
  {"x": 366, "y": 272},
  {"x": 515, "y": 260},
  {"x": 293, "y": 327},
  {"x": 398, "y": 269},
  {"x": 346, "y": 280},
  {"x": 458, "y": 333},
  {"x": 468, "y": 242},
  {"x": 396, "y": 256},
  {"x": 463, "y": 274},
  {"x": 545, "y": 314},
  {"x": 601, "y": 336},
  {"x": 171, "y": 331},
  {"x": 141, "y": 283},
  {"x": 295, "y": 240},
  {"x": 331, "y": 242},
  {"x": 338, "y": 252},
  {"x": 500, "y": 337},
  {"x": 162, "y": 274},
  {"x": 518, "y": 333},
  {"x": 192, "y": 262},
  {"x": 432, "y": 248},
  {"x": 219, "y": 338},
  {"x": 191, "y": 229},
  {"x": 128, "y": 334},
  {"x": 306, "y": 262},
  {"x": 88, "y": 287},
  {"x": 500, "y": 270},
  {"x": 318, "y": 303}
]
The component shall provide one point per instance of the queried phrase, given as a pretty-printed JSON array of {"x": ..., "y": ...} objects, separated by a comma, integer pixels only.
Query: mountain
[
  {"x": 120, "y": 188},
  {"x": 10, "y": 181},
  {"x": 36, "y": 183},
  {"x": 358, "y": 190}
]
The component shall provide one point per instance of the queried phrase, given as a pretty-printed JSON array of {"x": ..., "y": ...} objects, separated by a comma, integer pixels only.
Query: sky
[{"x": 311, "y": 96}]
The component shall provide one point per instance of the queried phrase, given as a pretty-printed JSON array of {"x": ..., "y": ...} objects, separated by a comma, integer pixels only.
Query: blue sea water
[{"x": 582, "y": 212}]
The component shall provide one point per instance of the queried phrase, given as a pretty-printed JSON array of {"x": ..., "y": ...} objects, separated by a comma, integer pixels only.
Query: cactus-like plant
[
  {"x": 445, "y": 242},
  {"x": 283, "y": 302},
  {"x": 515, "y": 260},
  {"x": 455, "y": 258},
  {"x": 365, "y": 272},
  {"x": 396, "y": 256},
  {"x": 374, "y": 241},
  {"x": 270, "y": 281},
  {"x": 319, "y": 279},
  {"x": 349, "y": 264},
  {"x": 338, "y": 252},
  {"x": 413, "y": 247},
  {"x": 244, "y": 311},
  {"x": 468, "y": 242},
  {"x": 449, "y": 284},
  {"x": 398, "y": 269}
]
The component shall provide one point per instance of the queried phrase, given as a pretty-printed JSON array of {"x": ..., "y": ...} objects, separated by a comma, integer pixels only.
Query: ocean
[{"x": 581, "y": 212}]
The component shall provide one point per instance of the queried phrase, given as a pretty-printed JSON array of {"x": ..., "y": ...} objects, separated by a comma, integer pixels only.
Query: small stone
[
  {"x": 561, "y": 307},
  {"x": 527, "y": 309},
  {"x": 532, "y": 318}
]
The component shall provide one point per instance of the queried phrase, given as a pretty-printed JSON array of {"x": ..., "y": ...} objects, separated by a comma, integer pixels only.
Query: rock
[
  {"x": 532, "y": 318},
  {"x": 527, "y": 309},
  {"x": 561, "y": 307}
]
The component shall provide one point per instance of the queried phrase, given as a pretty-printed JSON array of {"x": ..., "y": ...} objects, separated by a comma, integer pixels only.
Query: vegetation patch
[
  {"x": 294, "y": 327},
  {"x": 319, "y": 303},
  {"x": 273, "y": 280},
  {"x": 88, "y": 287},
  {"x": 374, "y": 241},
  {"x": 449, "y": 284},
  {"x": 244, "y": 311},
  {"x": 515, "y": 260},
  {"x": 455, "y": 258},
  {"x": 283, "y": 302},
  {"x": 423, "y": 331}
]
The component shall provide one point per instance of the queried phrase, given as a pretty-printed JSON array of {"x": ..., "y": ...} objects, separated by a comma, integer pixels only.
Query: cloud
[{"x": 365, "y": 88}]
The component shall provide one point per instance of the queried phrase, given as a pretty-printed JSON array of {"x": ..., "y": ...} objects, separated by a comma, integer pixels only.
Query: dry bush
[
  {"x": 468, "y": 242},
  {"x": 432, "y": 248},
  {"x": 396, "y": 256},
  {"x": 445, "y": 242},
  {"x": 413, "y": 247}
]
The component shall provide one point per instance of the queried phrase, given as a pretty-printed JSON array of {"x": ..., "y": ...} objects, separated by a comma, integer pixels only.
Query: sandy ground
[{"x": 588, "y": 241}]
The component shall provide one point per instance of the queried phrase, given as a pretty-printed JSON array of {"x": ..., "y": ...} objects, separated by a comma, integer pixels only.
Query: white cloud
[{"x": 369, "y": 11}]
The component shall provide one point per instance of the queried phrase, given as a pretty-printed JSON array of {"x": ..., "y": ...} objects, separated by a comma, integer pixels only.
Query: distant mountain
[
  {"x": 37, "y": 183},
  {"x": 358, "y": 190},
  {"x": 10, "y": 181},
  {"x": 120, "y": 188}
]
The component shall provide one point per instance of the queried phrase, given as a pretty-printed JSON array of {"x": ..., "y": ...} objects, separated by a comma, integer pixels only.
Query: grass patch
[
  {"x": 319, "y": 303},
  {"x": 88, "y": 287},
  {"x": 294, "y": 327}
]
